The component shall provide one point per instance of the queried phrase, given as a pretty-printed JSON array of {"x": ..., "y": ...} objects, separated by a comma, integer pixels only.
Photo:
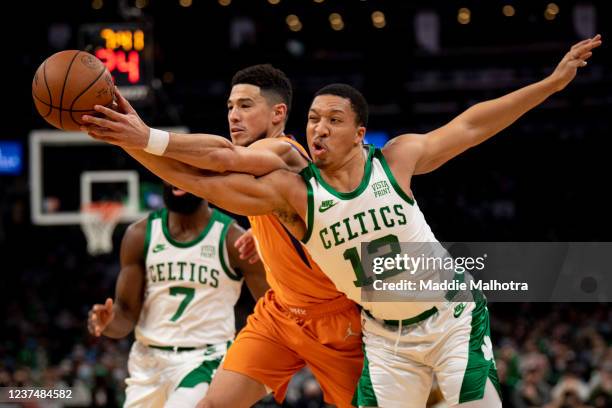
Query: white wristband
[{"x": 158, "y": 141}]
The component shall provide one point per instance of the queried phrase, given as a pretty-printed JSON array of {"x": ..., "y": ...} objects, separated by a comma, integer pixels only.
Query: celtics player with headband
[{"x": 179, "y": 281}]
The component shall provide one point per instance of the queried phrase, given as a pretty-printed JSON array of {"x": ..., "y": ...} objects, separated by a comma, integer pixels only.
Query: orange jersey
[{"x": 292, "y": 274}]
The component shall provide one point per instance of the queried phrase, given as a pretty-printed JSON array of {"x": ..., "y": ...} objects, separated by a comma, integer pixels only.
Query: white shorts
[
  {"x": 453, "y": 344},
  {"x": 160, "y": 378}
]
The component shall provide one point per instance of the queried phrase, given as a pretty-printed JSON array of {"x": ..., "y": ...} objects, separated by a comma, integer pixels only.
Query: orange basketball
[{"x": 68, "y": 84}]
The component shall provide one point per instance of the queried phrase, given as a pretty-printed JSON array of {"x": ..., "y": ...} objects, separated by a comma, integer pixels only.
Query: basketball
[{"x": 67, "y": 85}]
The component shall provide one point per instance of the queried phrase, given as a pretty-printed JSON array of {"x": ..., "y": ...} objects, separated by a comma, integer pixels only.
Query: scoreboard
[{"x": 127, "y": 51}]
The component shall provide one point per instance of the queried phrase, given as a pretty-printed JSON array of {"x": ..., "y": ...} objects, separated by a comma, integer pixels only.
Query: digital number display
[
  {"x": 126, "y": 50},
  {"x": 122, "y": 52}
]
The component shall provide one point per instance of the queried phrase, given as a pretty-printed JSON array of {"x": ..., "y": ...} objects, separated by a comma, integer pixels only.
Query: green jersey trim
[
  {"x": 147, "y": 241},
  {"x": 306, "y": 174},
  {"x": 379, "y": 155},
  {"x": 364, "y": 181},
  {"x": 364, "y": 395},
  {"x": 479, "y": 366},
  {"x": 164, "y": 216},
  {"x": 227, "y": 222},
  {"x": 202, "y": 374}
]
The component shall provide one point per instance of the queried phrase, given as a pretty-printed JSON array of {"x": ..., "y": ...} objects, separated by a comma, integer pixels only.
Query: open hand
[{"x": 576, "y": 58}]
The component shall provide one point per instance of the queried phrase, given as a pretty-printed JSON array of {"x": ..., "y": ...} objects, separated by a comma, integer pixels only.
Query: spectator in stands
[
  {"x": 532, "y": 391},
  {"x": 601, "y": 384}
]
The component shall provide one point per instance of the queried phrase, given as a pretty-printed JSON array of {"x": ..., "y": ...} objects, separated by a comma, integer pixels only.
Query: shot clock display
[{"x": 127, "y": 51}]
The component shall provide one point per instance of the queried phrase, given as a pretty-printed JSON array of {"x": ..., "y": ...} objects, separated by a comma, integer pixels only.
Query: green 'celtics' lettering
[
  {"x": 166, "y": 271},
  {"x": 372, "y": 212},
  {"x": 160, "y": 273},
  {"x": 388, "y": 223},
  {"x": 326, "y": 243},
  {"x": 336, "y": 233},
  {"x": 202, "y": 274},
  {"x": 359, "y": 216},
  {"x": 398, "y": 211},
  {"x": 213, "y": 275},
  {"x": 351, "y": 235},
  {"x": 361, "y": 223},
  {"x": 192, "y": 271},
  {"x": 152, "y": 273},
  {"x": 171, "y": 277},
  {"x": 181, "y": 267}
]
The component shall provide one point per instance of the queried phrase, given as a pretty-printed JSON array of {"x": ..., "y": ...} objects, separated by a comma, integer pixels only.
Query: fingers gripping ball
[{"x": 68, "y": 84}]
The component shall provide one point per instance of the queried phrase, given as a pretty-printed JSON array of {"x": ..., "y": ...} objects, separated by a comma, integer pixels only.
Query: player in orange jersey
[
  {"x": 303, "y": 319},
  {"x": 336, "y": 127}
]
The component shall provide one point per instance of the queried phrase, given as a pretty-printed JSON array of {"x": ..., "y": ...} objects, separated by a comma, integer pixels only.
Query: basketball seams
[
  {"x": 83, "y": 92},
  {"x": 73, "y": 95},
  {"x": 48, "y": 89},
  {"x": 37, "y": 86},
  {"x": 37, "y": 99},
  {"x": 61, "y": 104},
  {"x": 55, "y": 107},
  {"x": 93, "y": 112}
]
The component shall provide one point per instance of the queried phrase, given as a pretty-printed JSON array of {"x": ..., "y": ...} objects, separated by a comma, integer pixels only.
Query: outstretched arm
[
  {"x": 117, "y": 320},
  {"x": 238, "y": 193},
  {"x": 281, "y": 192},
  {"x": 126, "y": 129},
  {"x": 483, "y": 120}
]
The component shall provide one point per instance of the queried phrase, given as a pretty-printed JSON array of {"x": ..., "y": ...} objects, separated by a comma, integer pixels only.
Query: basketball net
[{"x": 98, "y": 221}]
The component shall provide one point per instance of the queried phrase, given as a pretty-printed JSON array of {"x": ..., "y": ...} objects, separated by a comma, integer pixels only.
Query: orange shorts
[{"x": 278, "y": 341}]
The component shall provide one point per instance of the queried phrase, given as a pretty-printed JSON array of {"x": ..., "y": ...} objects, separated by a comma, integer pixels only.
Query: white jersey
[
  {"x": 378, "y": 212},
  {"x": 190, "y": 289}
]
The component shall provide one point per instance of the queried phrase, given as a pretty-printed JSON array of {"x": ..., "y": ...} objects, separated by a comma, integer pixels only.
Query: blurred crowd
[
  {"x": 554, "y": 355},
  {"x": 537, "y": 181},
  {"x": 547, "y": 355}
]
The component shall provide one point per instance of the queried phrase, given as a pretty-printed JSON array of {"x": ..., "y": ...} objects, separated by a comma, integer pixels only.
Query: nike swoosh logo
[
  {"x": 459, "y": 310},
  {"x": 327, "y": 207},
  {"x": 159, "y": 248}
]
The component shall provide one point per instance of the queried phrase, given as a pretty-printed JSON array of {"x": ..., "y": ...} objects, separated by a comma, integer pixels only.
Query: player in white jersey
[
  {"x": 179, "y": 281},
  {"x": 403, "y": 350},
  {"x": 405, "y": 344}
]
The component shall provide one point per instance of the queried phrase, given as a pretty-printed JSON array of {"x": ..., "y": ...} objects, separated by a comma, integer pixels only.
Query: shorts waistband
[
  {"x": 175, "y": 348},
  {"x": 406, "y": 322},
  {"x": 337, "y": 305},
  {"x": 178, "y": 349}
]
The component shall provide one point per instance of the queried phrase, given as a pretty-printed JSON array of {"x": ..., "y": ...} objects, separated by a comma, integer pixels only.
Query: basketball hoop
[{"x": 98, "y": 221}]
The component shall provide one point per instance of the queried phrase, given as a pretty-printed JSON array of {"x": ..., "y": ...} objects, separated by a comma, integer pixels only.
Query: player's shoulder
[
  {"x": 292, "y": 153},
  {"x": 234, "y": 231},
  {"x": 136, "y": 232},
  {"x": 223, "y": 218},
  {"x": 403, "y": 140},
  {"x": 270, "y": 143},
  {"x": 133, "y": 241},
  {"x": 402, "y": 147}
]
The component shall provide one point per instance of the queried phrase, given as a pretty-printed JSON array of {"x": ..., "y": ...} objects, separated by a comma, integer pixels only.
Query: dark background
[{"x": 543, "y": 179}]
